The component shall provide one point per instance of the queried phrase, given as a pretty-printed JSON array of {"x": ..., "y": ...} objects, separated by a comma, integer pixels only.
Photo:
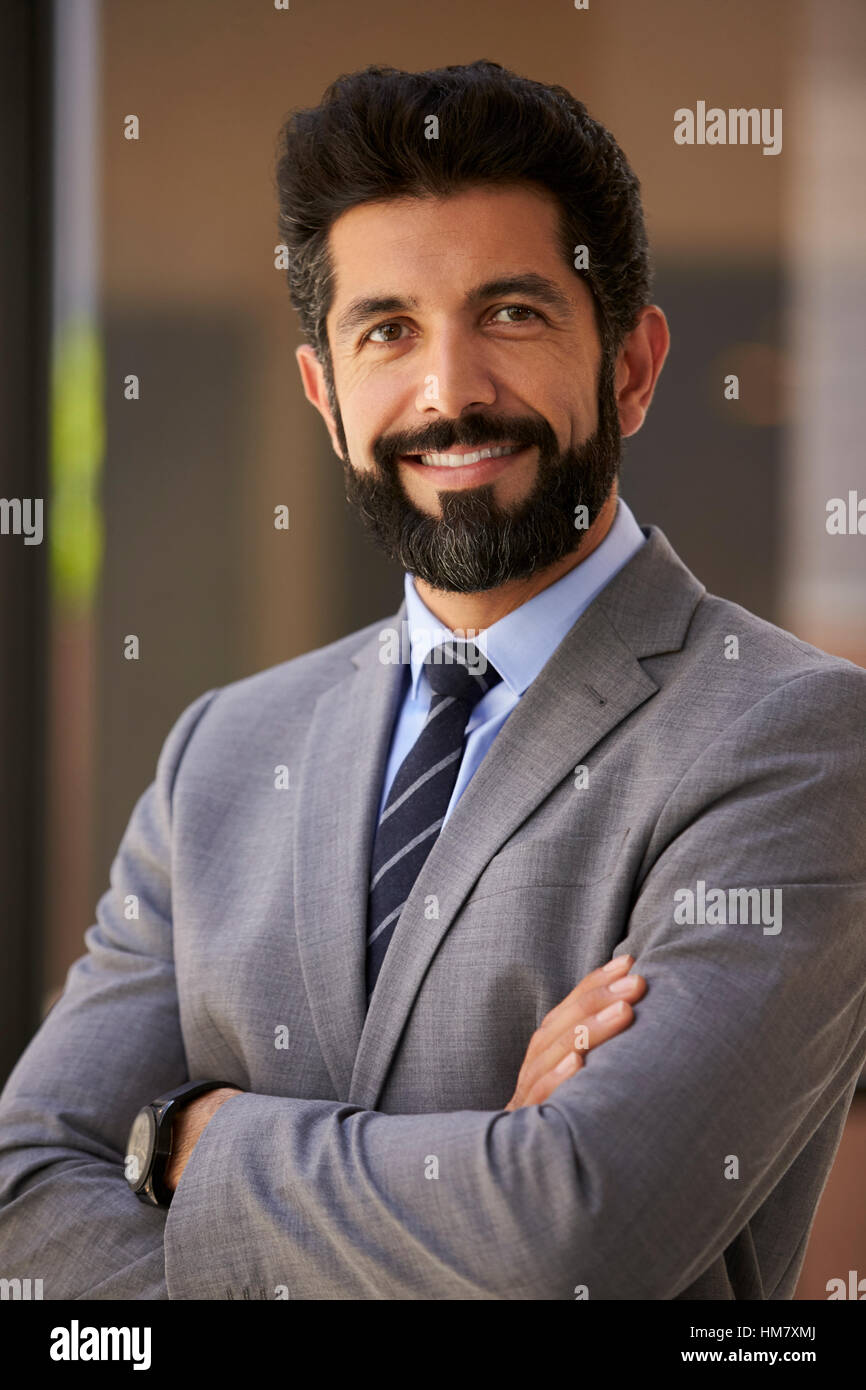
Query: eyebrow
[{"x": 528, "y": 284}]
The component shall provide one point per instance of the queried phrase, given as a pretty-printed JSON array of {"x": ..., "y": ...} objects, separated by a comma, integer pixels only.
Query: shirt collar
[{"x": 522, "y": 642}]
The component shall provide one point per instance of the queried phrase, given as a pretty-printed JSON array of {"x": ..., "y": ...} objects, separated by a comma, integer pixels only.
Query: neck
[{"x": 468, "y": 614}]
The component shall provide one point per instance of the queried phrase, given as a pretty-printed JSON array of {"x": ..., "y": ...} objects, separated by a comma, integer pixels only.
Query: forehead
[{"x": 407, "y": 244}]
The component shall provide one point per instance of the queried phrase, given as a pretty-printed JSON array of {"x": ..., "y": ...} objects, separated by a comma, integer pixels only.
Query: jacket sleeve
[
  {"x": 111, "y": 1043},
  {"x": 642, "y": 1168}
]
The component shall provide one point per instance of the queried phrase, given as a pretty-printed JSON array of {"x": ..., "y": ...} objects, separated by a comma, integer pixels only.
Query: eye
[
  {"x": 392, "y": 323},
  {"x": 521, "y": 308},
  {"x": 378, "y": 329}
]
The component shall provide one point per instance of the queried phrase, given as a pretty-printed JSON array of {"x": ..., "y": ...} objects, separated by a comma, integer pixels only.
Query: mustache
[{"x": 470, "y": 430}]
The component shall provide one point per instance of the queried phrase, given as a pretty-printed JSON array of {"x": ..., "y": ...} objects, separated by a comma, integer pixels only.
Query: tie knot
[{"x": 457, "y": 668}]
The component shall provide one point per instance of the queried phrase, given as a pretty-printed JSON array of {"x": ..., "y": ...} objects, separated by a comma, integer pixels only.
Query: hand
[
  {"x": 557, "y": 1047},
  {"x": 187, "y": 1128}
]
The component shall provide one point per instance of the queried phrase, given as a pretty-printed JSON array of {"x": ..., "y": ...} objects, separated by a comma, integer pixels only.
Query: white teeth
[{"x": 461, "y": 460}]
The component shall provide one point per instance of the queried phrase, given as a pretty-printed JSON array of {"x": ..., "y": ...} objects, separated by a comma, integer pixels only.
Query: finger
[
  {"x": 581, "y": 1028},
  {"x": 564, "y": 1015},
  {"x": 613, "y": 970},
  {"x": 590, "y": 1033},
  {"x": 548, "y": 1048},
  {"x": 620, "y": 1018},
  {"x": 545, "y": 1086}
]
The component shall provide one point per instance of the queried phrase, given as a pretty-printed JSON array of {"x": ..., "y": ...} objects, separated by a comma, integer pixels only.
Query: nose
[{"x": 454, "y": 375}]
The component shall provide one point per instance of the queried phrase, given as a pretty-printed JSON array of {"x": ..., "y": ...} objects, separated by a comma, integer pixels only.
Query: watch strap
[
  {"x": 164, "y": 1108},
  {"x": 188, "y": 1092}
]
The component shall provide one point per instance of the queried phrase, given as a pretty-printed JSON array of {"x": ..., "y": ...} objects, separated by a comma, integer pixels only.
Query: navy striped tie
[{"x": 419, "y": 795}]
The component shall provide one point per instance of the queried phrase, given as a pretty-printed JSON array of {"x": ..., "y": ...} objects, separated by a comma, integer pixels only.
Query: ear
[
  {"x": 638, "y": 364},
  {"x": 313, "y": 380}
]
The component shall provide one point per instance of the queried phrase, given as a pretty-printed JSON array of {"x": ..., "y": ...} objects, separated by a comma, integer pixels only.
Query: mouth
[{"x": 464, "y": 465}]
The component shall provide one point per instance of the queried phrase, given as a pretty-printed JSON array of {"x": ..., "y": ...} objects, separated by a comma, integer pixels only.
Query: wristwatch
[{"x": 149, "y": 1146}]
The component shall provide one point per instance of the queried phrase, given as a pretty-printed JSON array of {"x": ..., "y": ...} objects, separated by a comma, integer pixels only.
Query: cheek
[
  {"x": 562, "y": 388},
  {"x": 574, "y": 414},
  {"x": 371, "y": 407}
]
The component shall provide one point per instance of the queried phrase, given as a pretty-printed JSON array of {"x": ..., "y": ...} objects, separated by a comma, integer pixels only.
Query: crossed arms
[{"x": 745, "y": 1044}]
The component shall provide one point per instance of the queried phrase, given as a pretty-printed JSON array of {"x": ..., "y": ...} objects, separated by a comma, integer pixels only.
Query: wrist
[{"x": 162, "y": 1137}]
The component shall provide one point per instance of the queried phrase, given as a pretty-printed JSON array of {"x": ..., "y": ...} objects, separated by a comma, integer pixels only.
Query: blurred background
[{"x": 153, "y": 258}]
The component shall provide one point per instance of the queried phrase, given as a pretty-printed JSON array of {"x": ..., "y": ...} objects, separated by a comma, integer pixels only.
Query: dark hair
[{"x": 366, "y": 142}]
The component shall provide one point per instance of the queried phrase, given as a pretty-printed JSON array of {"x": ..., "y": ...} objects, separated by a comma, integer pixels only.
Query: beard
[{"x": 476, "y": 544}]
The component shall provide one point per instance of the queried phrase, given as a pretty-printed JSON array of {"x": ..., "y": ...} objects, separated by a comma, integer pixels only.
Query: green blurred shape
[{"x": 77, "y": 444}]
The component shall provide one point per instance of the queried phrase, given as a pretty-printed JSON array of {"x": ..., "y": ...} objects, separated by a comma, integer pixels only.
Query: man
[{"x": 357, "y": 898}]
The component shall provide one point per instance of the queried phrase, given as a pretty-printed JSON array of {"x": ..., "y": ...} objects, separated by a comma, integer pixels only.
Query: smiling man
[
  {"x": 508, "y": 364},
  {"x": 358, "y": 1018},
  {"x": 479, "y": 437}
]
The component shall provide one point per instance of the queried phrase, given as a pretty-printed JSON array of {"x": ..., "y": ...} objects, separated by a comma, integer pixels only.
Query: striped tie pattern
[{"x": 419, "y": 795}]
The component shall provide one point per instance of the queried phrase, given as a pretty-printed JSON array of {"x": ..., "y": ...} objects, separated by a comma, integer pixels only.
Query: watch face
[{"x": 139, "y": 1148}]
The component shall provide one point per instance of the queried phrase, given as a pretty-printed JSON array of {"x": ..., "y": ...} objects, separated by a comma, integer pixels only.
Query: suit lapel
[
  {"x": 339, "y": 785},
  {"x": 591, "y": 683}
]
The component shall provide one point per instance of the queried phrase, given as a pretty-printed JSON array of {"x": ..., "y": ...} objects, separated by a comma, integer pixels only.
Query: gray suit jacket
[{"x": 372, "y": 1157}]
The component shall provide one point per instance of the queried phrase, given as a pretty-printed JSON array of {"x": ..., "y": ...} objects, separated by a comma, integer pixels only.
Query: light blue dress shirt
[{"x": 518, "y": 646}]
